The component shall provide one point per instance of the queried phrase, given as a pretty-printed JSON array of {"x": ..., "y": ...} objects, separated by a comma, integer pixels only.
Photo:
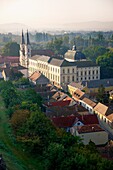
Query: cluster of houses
[{"x": 78, "y": 114}]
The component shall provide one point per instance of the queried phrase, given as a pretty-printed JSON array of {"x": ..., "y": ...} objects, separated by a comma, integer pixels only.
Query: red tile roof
[
  {"x": 63, "y": 122},
  {"x": 35, "y": 76},
  {"x": 89, "y": 102},
  {"x": 9, "y": 59},
  {"x": 103, "y": 109},
  {"x": 88, "y": 119},
  {"x": 90, "y": 128},
  {"x": 78, "y": 94}
]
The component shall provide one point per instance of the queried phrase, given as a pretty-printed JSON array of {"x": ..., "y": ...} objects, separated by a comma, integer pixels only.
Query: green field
[{"x": 15, "y": 158}]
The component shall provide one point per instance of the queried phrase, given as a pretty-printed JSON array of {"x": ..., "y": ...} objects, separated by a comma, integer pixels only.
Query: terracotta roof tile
[
  {"x": 63, "y": 122},
  {"x": 102, "y": 109},
  {"x": 110, "y": 117},
  {"x": 78, "y": 94},
  {"x": 89, "y": 102},
  {"x": 35, "y": 76},
  {"x": 90, "y": 128},
  {"x": 69, "y": 121},
  {"x": 88, "y": 119}
]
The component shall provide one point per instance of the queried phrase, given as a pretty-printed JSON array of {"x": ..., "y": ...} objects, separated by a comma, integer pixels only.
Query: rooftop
[
  {"x": 90, "y": 128},
  {"x": 89, "y": 102},
  {"x": 103, "y": 109}
]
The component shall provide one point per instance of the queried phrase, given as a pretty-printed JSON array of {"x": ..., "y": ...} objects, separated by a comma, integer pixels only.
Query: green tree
[
  {"x": 102, "y": 96},
  {"x": 93, "y": 52},
  {"x": 11, "y": 49}
]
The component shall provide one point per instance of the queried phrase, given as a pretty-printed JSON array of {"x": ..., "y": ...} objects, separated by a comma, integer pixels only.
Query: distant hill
[
  {"x": 81, "y": 26},
  {"x": 13, "y": 28},
  {"x": 89, "y": 26}
]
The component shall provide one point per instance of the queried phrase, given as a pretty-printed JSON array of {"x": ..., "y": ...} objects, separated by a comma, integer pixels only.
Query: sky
[{"x": 42, "y": 12}]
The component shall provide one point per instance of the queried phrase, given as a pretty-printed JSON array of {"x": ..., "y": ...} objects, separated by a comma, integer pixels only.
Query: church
[{"x": 61, "y": 71}]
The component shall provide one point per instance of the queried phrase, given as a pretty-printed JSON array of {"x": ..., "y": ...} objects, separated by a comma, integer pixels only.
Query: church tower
[
  {"x": 25, "y": 51},
  {"x": 22, "y": 50}
]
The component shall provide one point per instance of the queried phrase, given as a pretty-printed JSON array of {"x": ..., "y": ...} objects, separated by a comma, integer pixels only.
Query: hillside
[{"x": 14, "y": 157}]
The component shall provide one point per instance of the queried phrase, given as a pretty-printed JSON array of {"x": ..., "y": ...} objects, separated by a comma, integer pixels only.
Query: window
[
  {"x": 68, "y": 79},
  {"x": 89, "y": 72},
  {"x": 68, "y": 70},
  {"x": 63, "y": 71},
  {"x": 72, "y": 78},
  {"x": 81, "y": 73},
  {"x": 97, "y": 71},
  {"x": 93, "y": 72},
  {"x": 85, "y": 72},
  {"x": 63, "y": 79},
  {"x": 73, "y": 70}
]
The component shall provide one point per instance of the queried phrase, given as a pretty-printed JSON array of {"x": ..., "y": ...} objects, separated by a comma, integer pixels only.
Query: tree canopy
[{"x": 10, "y": 49}]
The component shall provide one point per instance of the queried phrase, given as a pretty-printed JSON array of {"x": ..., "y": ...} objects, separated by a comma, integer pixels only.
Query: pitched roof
[
  {"x": 90, "y": 128},
  {"x": 9, "y": 70},
  {"x": 45, "y": 52},
  {"x": 98, "y": 83},
  {"x": 86, "y": 63},
  {"x": 110, "y": 117},
  {"x": 9, "y": 59},
  {"x": 35, "y": 76},
  {"x": 58, "y": 103},
  {"x": 69, "y": 121},
  {"x": 88, "y": 119},
  {"x": 40, "y": 57},
  {"x": 78, "y": 94},
  {"x": 56, "y": 61},
  {"x": 89, "y": 102},
  {"x": 63, "y": 122},
  {"x": 58, "y": 95},
  {"x": 102, "y": 109},
  {"x": 76, "y": 85}
]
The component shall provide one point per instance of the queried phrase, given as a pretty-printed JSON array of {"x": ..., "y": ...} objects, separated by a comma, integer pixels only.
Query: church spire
[
  {"x": 23, "y": 41},
  {"x": 28, "y": 42}
]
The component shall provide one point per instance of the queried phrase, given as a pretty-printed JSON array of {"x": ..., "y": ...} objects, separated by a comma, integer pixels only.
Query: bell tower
[
  {"x": 22, "y": 50},
  {"x": 25, "y": 51}
]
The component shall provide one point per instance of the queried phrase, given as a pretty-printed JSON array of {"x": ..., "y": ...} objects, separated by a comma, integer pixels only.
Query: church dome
[{"x": 73, "y": 55}]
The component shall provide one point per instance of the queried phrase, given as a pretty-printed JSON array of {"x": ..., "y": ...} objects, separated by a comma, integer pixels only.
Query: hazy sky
[{"x": 35, "y": 12}]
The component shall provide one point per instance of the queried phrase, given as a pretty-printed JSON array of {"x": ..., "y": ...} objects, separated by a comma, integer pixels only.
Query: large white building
[{"x": 73, "y": 67}]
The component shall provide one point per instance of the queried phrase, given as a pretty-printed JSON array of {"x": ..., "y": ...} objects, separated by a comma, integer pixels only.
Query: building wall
[
  {"x": 99, "y": 138},
  {"x": 62, "y": 75},
  {"x": 88, "y": 73},
  {"x": 54, "y": 74}
]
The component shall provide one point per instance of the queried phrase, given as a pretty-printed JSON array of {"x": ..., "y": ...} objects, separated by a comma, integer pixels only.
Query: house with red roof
[
  {"x": 92, "y": 132},
  {"x": 38, "y": 78},
  {"x": 60, "y": 108},
  {"x": 70, "y": 123}
]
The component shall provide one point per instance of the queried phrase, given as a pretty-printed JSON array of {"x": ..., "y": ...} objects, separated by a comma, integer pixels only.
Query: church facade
[{"x": 61, "y": 71}]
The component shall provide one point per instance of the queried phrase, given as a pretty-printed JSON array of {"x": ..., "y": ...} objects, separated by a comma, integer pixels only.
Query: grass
[{"x": 14, "y": 156}]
